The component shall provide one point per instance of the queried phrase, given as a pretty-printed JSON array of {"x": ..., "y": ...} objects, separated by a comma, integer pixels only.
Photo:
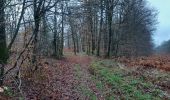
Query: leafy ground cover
[
  {"x": 85, "y": 77},
  {"x": 161, "y": 62},
  {"x": 117, "y": 82}
]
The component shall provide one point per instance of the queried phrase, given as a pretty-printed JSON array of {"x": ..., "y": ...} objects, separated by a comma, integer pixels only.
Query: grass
[
  {"x": 83, "y": 88},
  {"x": 115, "y": 84}
]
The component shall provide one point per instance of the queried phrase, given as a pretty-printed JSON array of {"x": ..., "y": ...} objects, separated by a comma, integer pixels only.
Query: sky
[{"x": 163, "y": 28}]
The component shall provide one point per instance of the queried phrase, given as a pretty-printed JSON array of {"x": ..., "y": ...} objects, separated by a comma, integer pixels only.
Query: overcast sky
[{"x": 163, "y": 29}]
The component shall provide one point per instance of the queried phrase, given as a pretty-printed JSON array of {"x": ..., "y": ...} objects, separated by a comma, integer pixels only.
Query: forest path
[
  {"x": 68, "y": 79},
  {"x": 85, "y": 85}
]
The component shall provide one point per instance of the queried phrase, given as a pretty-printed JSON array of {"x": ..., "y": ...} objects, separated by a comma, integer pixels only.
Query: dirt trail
[
  {"x": 67, "y": 79},
  {"x": 84, "y": 78}
]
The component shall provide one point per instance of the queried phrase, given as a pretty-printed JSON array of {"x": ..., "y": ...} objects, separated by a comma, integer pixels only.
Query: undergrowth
[{"x": 115, "y": 83}]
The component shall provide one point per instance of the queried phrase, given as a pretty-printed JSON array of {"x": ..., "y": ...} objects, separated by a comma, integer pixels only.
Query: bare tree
[{"x": 3, "y": 48}]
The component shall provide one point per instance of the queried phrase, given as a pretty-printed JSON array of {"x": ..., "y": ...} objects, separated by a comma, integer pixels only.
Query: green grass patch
[{"x": 122, "y": 86}]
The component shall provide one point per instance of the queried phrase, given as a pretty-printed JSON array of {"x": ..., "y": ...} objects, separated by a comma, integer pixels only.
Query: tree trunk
[
  {"x": 101, "y": 27},
  {"x": 62, "y": 33},
  {"x": 3, "y": 48},
  {"x": 110, "y": 14},
  {"x": 55, "y": 33}
]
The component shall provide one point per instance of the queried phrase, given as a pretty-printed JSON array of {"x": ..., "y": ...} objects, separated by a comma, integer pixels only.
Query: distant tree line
[
  {"x": 164, "y": 48},
  {"x": 113, "y": 27}
]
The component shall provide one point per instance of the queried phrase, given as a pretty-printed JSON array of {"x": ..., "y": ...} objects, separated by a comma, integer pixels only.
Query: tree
[
  {"x": 101, "y": 27},
  {"x": 40, "y": 7},
  {"x": 138, "y": 25},
  {"x": 3, "y": 47},
  {"x": 164, "y": 48}
]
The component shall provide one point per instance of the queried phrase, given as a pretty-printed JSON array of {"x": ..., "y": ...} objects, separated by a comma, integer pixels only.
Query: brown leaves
[{"x": 156, "y": 61}]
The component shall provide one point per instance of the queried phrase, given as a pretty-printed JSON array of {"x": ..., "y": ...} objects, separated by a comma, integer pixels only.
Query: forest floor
[{"x": 82, "y": 77}]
